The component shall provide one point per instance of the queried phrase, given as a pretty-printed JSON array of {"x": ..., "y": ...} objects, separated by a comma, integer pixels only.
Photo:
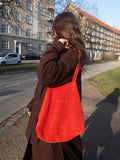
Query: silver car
[{"x": 10, "y": 58}]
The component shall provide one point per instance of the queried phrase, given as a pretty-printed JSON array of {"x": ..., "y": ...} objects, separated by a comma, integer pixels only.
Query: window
[
  {"x": 50, "y": 1},
  {"x": 28, "y": 46},
  {"x": 41, "y": 11},
  {"x": 49, "y": 24},
  {"x": 49, "y": 14},
  {"x": 5, "y": 12},
  {"x": 41, "y": 35},
  {"x": 49, "y": 27},
  {"x": 41, "y": 23},
  {"x": 48, "y": 36},
  {"x": 28, "y": 6},
  {"x": 42, "y": 1},
  {"x": 18, "y": 2},
  {"x": 17, "y": 31},
  {"x": 5, "y": 44},
  {"x": 12, "y": 56},
  {"x": 17, "y": 16},
  {"x": 4, "y": 28},
  {"x": 28, "y": 19},
  {"x": 41, "y": 47},
  {"x": 28, "y": 32}
]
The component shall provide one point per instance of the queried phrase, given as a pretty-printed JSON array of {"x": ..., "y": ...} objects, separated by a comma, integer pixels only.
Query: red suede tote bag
[{"x": 61, "y": 116}]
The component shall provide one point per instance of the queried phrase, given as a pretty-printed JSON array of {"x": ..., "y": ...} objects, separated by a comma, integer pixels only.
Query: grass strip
[
  {"x": 5, "y": 70},
  {"x": 109, "y": 83},
  {"x": 14, "y": 67}
]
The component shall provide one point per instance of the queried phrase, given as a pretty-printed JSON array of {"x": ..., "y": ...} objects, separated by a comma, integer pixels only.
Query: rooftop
[{"x": 94, "y": 19}]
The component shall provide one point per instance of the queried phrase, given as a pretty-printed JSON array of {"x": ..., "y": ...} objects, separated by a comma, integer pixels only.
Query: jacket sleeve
[
  {"x": 55, "y": 67},
  {"x": 31, "y": 103}
]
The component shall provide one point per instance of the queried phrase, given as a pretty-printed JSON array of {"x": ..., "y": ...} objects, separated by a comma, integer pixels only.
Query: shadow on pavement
[
  {"x": 99, "y": 141},
  {"x": 8, "y": 92}
]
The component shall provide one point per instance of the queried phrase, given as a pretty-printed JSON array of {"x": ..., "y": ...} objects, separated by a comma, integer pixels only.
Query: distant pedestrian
[{"x": 56, "y": 68}]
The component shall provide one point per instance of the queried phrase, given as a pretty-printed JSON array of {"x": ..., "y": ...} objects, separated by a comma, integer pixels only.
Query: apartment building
[
  {"x": 25, "y": 26},
  {"x": 100, "y": 38}
]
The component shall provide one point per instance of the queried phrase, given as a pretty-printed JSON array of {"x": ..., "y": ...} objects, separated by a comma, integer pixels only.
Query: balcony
[
  {"x": 52, "y": 7},
  {"x": 50, "y": 18},
  {"x": 49, "y": 41},
  {"x": 49, "y": 30},
  {"x": 93, "y": 40}
]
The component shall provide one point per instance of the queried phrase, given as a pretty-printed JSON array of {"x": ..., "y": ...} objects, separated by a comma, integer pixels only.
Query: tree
[
  {"x": 8, "y": 11},
  {"x": 85, "y": 5},
  {"x": 10, "y": 17},
  {"x": 59, "y": 7}
]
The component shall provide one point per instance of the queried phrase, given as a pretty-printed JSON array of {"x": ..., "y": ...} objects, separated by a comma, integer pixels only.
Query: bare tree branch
[{"x": 59, "y": 7}]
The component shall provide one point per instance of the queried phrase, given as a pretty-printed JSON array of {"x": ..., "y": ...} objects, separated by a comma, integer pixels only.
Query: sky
[{"x": 108, "y": 12}]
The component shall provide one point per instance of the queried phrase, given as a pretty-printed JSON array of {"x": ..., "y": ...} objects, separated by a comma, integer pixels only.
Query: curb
[{"x": 11, "y": 120}]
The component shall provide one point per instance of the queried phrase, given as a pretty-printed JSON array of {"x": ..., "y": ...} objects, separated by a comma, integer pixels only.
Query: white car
[{"x": 10, "y": 58}]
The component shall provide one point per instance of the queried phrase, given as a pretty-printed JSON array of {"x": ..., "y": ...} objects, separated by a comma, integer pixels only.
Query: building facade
[
  {"x": 101, "y": 39},
  {"x": 25, "y": 26}
]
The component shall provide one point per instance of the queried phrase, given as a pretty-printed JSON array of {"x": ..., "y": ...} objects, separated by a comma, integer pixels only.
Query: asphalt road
[{"x": 16, "y": 90}]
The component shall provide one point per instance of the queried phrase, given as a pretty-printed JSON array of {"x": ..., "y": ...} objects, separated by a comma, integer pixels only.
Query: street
[{"x": 16, "y": 90}]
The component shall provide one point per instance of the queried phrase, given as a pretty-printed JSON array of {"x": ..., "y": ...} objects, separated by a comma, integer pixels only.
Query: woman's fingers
[
  {"x": 65, "y": 42},
  {"x": 29, "y": 113}
]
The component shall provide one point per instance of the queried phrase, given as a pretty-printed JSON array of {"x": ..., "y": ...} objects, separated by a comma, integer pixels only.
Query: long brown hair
[{"x": 66, "y": 26}]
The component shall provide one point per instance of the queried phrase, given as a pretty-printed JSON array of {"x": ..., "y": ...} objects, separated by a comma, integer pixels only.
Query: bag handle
[{"x": 76, "y": 72}]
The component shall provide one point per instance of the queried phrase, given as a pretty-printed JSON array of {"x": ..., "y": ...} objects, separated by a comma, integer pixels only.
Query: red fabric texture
[{"x": 61, "y": 116}]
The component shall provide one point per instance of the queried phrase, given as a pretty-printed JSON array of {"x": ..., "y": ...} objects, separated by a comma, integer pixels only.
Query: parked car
[
  {"x": 10, "y": 58},
  {"x": 31, "y": 55}
]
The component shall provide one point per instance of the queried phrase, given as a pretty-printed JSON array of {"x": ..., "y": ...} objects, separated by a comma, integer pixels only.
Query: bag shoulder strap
[{"x": 76, "y": 72}]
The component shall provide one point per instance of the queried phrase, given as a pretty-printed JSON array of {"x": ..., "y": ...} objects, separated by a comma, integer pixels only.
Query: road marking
[
  {"x": 11, "y": 85},
  {"x": 35, "y": 79}
]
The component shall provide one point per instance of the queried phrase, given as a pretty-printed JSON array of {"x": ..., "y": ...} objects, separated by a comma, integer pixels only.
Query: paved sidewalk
[
  {"x": 30, "y": 61},
  {"x": 97, "y": 68},
  {"x": 101, "y": 140}
]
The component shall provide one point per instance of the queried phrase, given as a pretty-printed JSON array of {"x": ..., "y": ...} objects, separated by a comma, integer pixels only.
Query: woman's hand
[
  {"x": 65, "y": 42},
  {"x": 29, "y": 113}
]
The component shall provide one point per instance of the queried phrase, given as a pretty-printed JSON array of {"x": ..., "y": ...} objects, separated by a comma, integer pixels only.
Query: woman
[{"x": 56, "y": 68}]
